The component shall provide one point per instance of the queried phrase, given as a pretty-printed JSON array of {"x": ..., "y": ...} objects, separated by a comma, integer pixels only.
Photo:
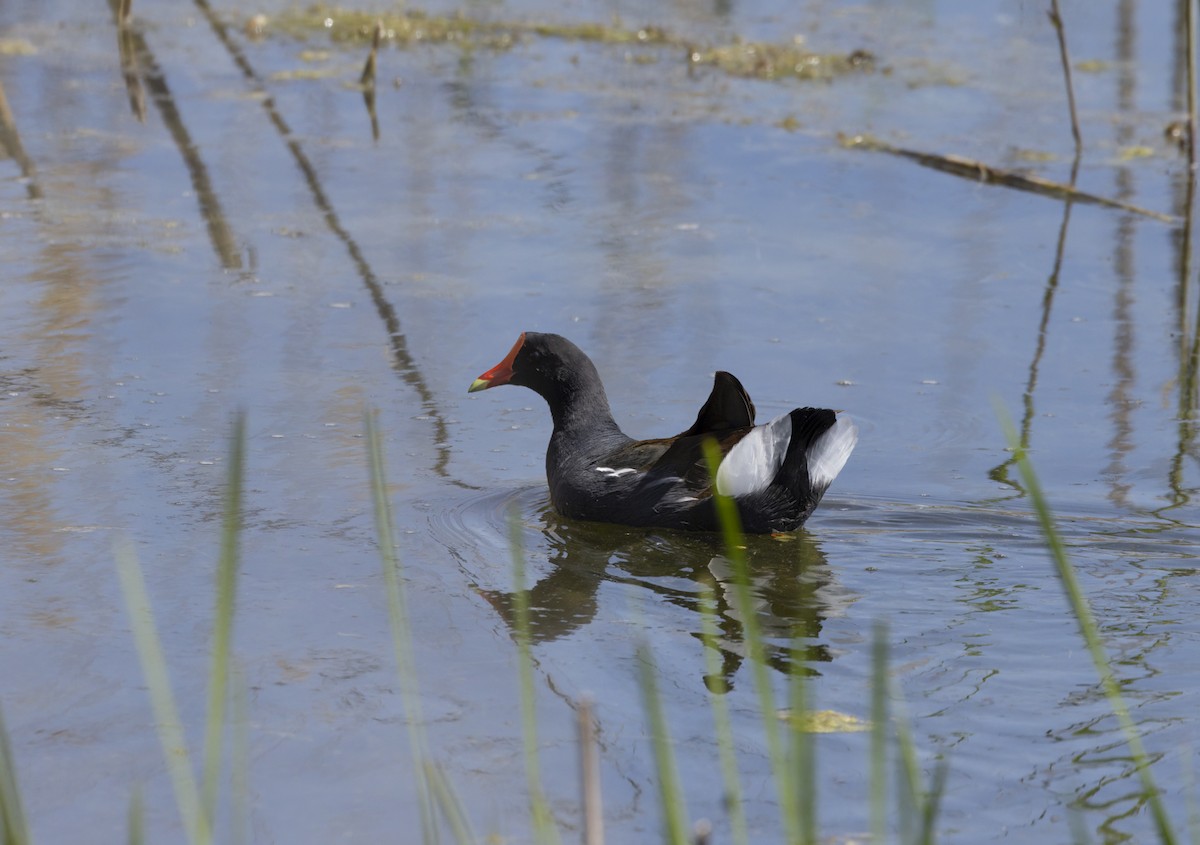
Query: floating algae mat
[{"x": 412, "y": 26}]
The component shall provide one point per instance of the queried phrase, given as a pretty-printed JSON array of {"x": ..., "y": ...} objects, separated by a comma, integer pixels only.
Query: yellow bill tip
[{"x": 479, "y": 384}]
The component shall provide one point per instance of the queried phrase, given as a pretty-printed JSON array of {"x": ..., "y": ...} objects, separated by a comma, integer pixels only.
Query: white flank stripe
[
  {"x": 752, "y": 464},
  {"x": 615, "y": 473},
  {"x": 829, "y": 453}
]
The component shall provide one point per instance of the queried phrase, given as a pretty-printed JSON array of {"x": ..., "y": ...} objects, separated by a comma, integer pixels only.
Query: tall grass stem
[
  {"x": 162, "y": 699},
  {"x": 722, "y": 723},
  {"x": 13, "y": 827},
  {"x": 401, "y": 634},
  {"x": 239, "y": 778},
  {"x": 135, "y": 818},
  {"x": 447, "y": 799},
  {"x": 803, "y": 746},
  {"x": 1089, "y": 630},
  {"x": 879, "y": 722},
  {"x": 909, "y": 775},
  {"x": 670, "y": 794},
  {"x": 543, "y": 819},
  {"x": 226, "y": 577},
  {"x": 731, "y": 530}
]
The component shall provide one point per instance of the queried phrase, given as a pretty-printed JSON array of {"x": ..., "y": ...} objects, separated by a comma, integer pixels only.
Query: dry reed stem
[
  {"x": 11, "y": 146},
  {"x": 1056, "y": 20},
  {"x": 971, "y": 169},
  {"x": 1190, "y": 26},
  {"x": 367, "y": 80},
  {"x": 589, "y": 763}
]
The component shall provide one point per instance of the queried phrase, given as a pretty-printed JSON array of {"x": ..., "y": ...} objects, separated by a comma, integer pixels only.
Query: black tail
[{"x": 808, "y": 424}]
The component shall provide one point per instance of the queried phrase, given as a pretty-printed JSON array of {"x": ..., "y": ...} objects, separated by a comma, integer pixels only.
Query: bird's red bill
[{"x": 502, "y": 372}]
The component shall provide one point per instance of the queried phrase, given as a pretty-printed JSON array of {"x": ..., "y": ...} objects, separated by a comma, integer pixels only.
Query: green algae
[
  {"x": 409, "y": 27},
  {"x": 779, "y": 61},
  {"x": 600, "y": 33},
  {"x": 16, "y": 47},
  {"x": 304, "y": 74},
  {"x": 405, "y": 27}
]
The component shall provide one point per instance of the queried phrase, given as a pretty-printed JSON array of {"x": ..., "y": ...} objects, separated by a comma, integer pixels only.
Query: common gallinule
[{"x": 776, "y": 473}]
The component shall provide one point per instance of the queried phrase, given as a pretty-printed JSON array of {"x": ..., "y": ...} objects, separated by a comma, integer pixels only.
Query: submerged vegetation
[{"x": 409, "y": 27}]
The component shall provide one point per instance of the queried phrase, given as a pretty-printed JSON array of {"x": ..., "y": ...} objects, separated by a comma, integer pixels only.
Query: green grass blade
[
  {"x": 227, "y": 567},
  {"x": 802, "y": 747},
  {"x": 731, "y": 530},
  {"x": 135, "y": 818},
  {"x": 543, "y": 819},
  {"x": 918, "y": 806},
  {"x": 910, "y": 799},
  {"x": 1090, "y": 632},
  {"x": 401, "y": 635},
  {"x": 723, "y": 725},
  {"x": 931, "y": 802},
  {"x": 162, "y": 699},
  {"x": 675, "y": 828},
  {"x": 451, "y": 807},
  {"x": 1080, "y": 835},
  {"x": 879, "y": 721},
  {"x": 240, "y": 763},
  {"x": 1189, "y": 789},
  {"x": 13, "y": 826}
]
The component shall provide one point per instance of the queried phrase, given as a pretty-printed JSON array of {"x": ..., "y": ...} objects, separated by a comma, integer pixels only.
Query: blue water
[{"x": 251, "y": 246}]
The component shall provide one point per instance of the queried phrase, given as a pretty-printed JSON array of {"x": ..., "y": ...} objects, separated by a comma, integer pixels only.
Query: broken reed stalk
[
  {"x": 589, "y": 764},
  {"x": 979, "y": 171},
  {"x": 1057, "y": 21},
  {"x": 123, "y": 11}
]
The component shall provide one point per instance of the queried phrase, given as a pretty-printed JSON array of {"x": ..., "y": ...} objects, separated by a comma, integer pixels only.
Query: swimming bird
[{"x": 776, "y": 473}]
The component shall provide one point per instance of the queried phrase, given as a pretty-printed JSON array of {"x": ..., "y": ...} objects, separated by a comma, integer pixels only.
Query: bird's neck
[{"x": 581, "y": 409}]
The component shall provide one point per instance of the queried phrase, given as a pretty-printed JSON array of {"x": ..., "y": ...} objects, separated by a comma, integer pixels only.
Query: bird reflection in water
[{"x": 793, "y": 590}]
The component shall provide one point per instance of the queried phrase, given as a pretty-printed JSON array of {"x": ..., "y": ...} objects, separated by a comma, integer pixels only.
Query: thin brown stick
[
  {"x": 981, "y": 172},
  {"x": 1190, "y": 26},
  {"x": 131, "y": 72},
  {"x": 367, "y": 80},
  {"x": 1057, "y": 21},
  {"x": 10, "y": 145},
  {"x": 589, "y": 762}
]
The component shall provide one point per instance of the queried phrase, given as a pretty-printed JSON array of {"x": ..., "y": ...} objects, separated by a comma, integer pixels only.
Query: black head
[
  {"x": 552, "y": 366},
  {"x": 540, "y": 362}
]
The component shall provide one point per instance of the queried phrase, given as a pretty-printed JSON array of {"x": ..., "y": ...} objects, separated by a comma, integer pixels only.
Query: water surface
[{"x": 250, "y": 244}]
